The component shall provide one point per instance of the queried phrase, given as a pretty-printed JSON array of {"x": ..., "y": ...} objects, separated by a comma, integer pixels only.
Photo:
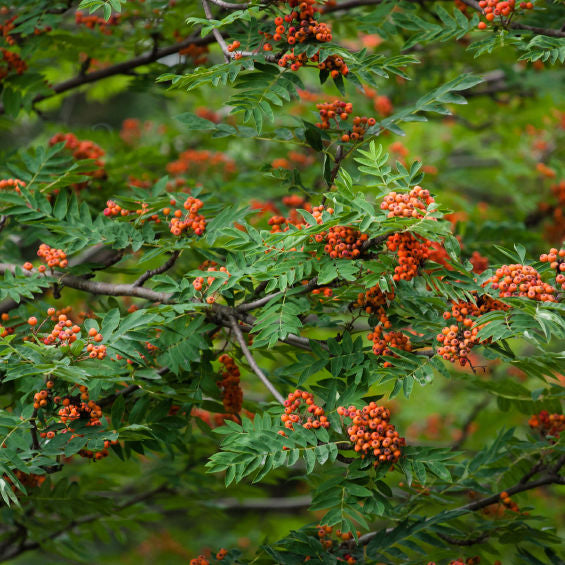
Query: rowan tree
[{"x": 282, "y": 281}]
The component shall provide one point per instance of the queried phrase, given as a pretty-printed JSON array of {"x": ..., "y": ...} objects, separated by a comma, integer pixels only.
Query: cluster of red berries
[
  {"x": 296, "y": 220},
  {"x": 210, "y": 267},
  {"x": 80, "y": 150},
  {"x": 92, "y": 22},
  {"x": 324, "y": 291},
  {"x": 13, "y": 184},
  {"x": 480, "y": 262},
  {"x": 344, "y": 242},
  {"x": 556, "y": 260},
  {"x": 28, "y": 480},
  {"x": 339, "y": 111},
  {"x": 548, "y": 424},
  {"x": 503, "y": 9},
  {"x": 6, "y": 30},
  {"x": 40, "y": 399},
  {"x": 324, "y": 533},
  {"x": 12, "y": 62},
  {"x": 382, "y": 343},
  {"x": 412, "y": 251},
  {"x": 372, "y": 434},
  {"x": 521, "y": 280},
  {"x": 307, "y": 28},
  {"x": 189, "y": 219},
  {"x": 201, "y": 161},
  {"x": 313, "y": 417},
  {"x": 198, "y": 53},
  {"x": 294, "y": 159},
  {"x": 508, "y": 502},
  {"x": 53, "y": 257},
  {"x": 232, "y": 395},
  {"x": 413, "y": 204},
  {"x": 374, "y": 301},
  {"x": 458, "y": 339}
]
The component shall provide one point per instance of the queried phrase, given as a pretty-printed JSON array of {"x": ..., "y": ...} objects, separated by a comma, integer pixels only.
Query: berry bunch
[
  {"x": 232, "y": 395},
  {"x": 198, "y": 283},
  {"x": 521, "y": 280},
  {"x": 201, "y": 161},
  {"x": 53, "y": 257},
  {"x": 501, "y": 9},
  {"x": 294, "y": 413},
  {"x": 458, "y": 339},
  {"x": 339, "y": 112},
  {"x": 12, "y": 62},
  {"x": 548, "y": 424},
  {"x": 325, "y": 534},
  {"x": 412, "y": 252},
  {"x": 82, "y": 150},
  {"x": 413, "y": 204},
  {"x": 383, "y": 105},
  {"x": 296, "y": 220},
  {"x": 556, "y": 260},
  {"x": 382, "y": 342},
  {"x": 469, "y": 561},
  {"x": 324, "y": 291},
  {"x": 479, "y": 262},
  {"x": 189, "y": 219},
  {"x": 372, "y": 434},
  {"x": 508, "y": 502},
  {"x": 374, "y": 301},
  {"x": 92, "y": 22},
  {"x": 200, "y": 560},
  {"x": 344, "y": 242},
  {"x": 14, "y": 184},
  {"x": 28, "y": 480}
]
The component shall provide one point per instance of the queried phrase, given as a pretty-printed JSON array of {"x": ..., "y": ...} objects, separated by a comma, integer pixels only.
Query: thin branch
[
  {"x": 465, "y": 430},
  {"x": 252, "y": 362},
  {"x": 34, "y": 436},
  {"x": 273, "y": 504},
  {"x": 229, "y": 5},
  {"x": 152, "y": 272},
  {"x": 246, "y": 307},
  {"x": 120, "y": 68},
  {"x": 464, "y": 542},
  {"x": 217, "y": 35}
]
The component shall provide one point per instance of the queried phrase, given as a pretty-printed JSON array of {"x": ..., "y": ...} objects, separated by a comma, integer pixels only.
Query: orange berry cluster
[
  {"x": 556, "y": 260},
  {"x": 232, "y": 395},
  {"x": 13, "y": 62},
  {"x": 298, "y": 221},
  {"x": 412, "y": 252},
  {"x": 503, "y": 9},
  {"x": 14, "y": 184},
  {"x": 339, "y": 111},
  {"x": 374, "y": 302},
  {"x": 548, "y": 424},
  {"x": 407, "y": 205},
  {"x": 458, "y": 339},
  {"x": 521, "y": 280},
  {"x": 480, "y": 263},
  {"x": 344, "y": 242},
  {"x": 372, "y": 434},
  {"x": 382, "y": 342},
  {"x": 201, "y": 161},
  {"x": 295, "y": 414},
  {"x": 82, "y": 150},
  {"x": 508, "y": 502},
  {"x": 28, "y": 480},
  {"x": 53, "y": 257},
  {"x": 40, "y": 398},
  {"x": 198, "y": 283},
  {"x": 6, "y": 28},
  {"x": 324, "y": 291},
  {"x": 200, "y": 560},
  {"x": 189, "y": 219},
  {"x": 324, "y": 533},
  {"x": 64, "y": 332},
  {"x": 92, "y": 22}
]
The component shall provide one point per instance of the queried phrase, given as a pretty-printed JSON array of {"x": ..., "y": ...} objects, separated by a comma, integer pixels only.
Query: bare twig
[
  {"x": 463, "y": 542},
  {"x": 252, "y": 362},
  {"x": 217, "y": 35},
  {"x": 465, "y": 430},
  {"x": 152, "y": 272}
]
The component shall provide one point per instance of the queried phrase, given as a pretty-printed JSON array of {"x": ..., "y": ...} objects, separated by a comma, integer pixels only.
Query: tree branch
[
  {"x": 120, "y": 68},
  {"x": 465, "y": 430},
  {"x": 164, "y": 267},
  {"x": 239, "y": 336}
]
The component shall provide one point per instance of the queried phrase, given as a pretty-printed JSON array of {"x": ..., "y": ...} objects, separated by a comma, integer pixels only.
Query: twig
[
  {"x": 152, "y": 272},
  {"x": 475, "y": 411},
  {"x": 229, "y": 5},
  {"x": 217, "y": 35},
  {"x": 252, "y": 362},
  {"x": 464, "y": 542},
  {"x": 246, "y": 307},
  {"x": 34, "y": 436},
  {"x": 263, "y": 503}
]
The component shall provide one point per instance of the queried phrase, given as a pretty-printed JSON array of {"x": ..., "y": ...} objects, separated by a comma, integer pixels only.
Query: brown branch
[
  {"x": 465, "y": 430},
  {"x": 152, "y": 272},
  {"x": 253, "y": 364},
  {"x": 34, "y": 436},
  {"x": 120, "y": 68},
  {"x": 217, "y": 35},
  {"x": 22, "y": 548},
  {"x": 463, "y": 542}
]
